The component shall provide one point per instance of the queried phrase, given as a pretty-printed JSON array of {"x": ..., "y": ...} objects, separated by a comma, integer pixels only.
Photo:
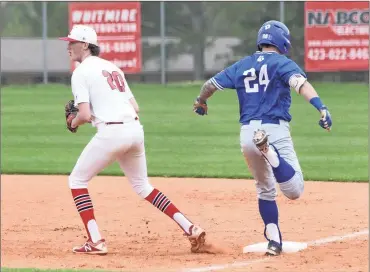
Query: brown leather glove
[{"x": 70, "y": 113}]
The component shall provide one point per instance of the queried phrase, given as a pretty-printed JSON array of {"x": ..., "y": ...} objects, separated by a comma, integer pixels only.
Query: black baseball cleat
[{"x": 273, "y": 249}]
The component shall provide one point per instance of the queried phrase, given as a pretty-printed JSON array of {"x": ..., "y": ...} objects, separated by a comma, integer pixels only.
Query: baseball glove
[
  {"x": 70, "y": 114},
  {"x": 199, "y": 107}
]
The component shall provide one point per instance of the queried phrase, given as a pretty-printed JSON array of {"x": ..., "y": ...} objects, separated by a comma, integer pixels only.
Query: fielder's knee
[
  {"x": 142, "y": 188},
  {"x": 77, "y": 183}
]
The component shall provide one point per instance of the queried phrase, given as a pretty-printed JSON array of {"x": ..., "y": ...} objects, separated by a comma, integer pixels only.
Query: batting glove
[{"x": 325, "y": 121}]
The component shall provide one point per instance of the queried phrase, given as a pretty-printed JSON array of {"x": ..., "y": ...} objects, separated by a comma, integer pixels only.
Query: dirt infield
[{"x": 40, "y": 225}]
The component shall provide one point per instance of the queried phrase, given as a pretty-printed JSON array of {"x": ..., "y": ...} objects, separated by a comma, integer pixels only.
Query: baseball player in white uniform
[{"x": 104, "y": 99}]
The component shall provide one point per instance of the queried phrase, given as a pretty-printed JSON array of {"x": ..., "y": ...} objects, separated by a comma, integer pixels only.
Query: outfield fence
[{"x": 180, "y": 41}]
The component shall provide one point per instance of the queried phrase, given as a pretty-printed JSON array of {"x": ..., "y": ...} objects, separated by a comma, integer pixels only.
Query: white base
[{"x": 288, "y": 247}]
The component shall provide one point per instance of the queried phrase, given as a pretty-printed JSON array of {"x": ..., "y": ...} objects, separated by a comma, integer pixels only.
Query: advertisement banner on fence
[
  {"x": 336, "y": 36},
  {"x": 118, "y": 26}
]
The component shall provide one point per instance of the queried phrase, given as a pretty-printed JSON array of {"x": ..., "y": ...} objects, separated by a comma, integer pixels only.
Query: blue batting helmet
[{"x": 274, "y": 33}]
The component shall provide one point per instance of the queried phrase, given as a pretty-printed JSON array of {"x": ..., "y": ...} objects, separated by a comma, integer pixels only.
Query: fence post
[
  {"x": 2, "y": 26},
  {"x": 44, "y": 40},
  {"x": 282, "y": 12},
  {"x": 163, "y": 42}
]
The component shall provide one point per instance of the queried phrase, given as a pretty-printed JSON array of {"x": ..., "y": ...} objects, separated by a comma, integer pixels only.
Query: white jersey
[{"x": 103, "y": 85}]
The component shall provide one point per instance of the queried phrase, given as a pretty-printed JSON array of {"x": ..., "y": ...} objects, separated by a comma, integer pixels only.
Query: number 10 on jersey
[{"x": 250, "y": 80}]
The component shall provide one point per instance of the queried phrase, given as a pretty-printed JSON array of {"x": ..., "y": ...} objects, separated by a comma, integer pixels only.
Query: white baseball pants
[{"x": 123, "y": 143}]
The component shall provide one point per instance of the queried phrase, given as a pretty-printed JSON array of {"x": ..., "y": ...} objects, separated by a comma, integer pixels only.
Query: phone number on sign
[
  {"x": 338, "y": 54},
  {"x": 117, "y": 47}
]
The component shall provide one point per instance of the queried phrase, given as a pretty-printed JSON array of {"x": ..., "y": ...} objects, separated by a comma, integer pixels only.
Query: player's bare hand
[
  {"x": 200, "y": 107},
  {"x": 325, "y": 120}
]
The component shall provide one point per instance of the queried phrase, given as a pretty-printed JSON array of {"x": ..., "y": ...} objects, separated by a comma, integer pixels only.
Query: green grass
[{"x": 181, "y": 143}]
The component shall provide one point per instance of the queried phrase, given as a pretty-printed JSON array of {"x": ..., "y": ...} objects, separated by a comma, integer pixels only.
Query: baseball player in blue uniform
[{"x": 263, "y": 83}]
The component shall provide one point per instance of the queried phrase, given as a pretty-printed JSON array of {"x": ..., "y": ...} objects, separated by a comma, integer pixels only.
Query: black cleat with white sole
[{"x": 273, "y": 249}]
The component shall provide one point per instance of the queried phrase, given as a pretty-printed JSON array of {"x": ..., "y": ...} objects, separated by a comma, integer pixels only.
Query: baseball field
[{"x": 196, "y": 161}]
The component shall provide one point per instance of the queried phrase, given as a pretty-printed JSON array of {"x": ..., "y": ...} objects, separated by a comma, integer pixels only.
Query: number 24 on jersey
[{"x": 250, "y": 80}]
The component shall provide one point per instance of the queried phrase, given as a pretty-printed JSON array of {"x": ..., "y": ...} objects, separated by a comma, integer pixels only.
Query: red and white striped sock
[
  {"x": 85, "y": 207},
  {"x": 159, "y": 200}
]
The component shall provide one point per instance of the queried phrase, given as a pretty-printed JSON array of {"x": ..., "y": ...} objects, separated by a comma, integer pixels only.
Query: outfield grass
[{"x": 181, "y": 143}]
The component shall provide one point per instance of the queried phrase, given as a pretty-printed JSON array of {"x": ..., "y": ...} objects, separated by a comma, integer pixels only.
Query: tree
[
  {"x": 24, "y": 19},
  {"x": 270, "y": 11},
  {"x": 190, "y": 22}
]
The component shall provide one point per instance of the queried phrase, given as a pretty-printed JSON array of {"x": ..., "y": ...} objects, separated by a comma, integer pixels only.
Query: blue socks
[
  {"x": 284, "y": 171},
  {"x": 270, "y": 215}
]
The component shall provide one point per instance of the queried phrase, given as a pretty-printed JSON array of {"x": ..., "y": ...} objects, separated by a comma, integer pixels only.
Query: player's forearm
[
  {"x": 311, "y": 96},
  {"x": 207, "y": 90},
  {"x": 80, "y": 120},
  {"x": 83, "y": 116},
  {"x": 308, "y": 91}
]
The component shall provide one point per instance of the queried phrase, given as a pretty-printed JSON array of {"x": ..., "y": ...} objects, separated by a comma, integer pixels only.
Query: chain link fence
[{"x": 201, "y": 38}]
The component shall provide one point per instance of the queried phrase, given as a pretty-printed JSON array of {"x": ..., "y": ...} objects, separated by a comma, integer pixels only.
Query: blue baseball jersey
[{"x": 262, "y": 85}]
